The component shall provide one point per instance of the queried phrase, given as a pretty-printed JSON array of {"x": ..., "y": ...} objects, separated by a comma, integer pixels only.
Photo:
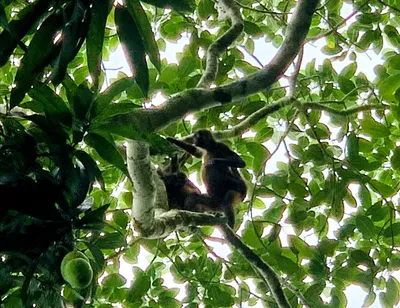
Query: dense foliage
[{"x": 323, "y": 171}]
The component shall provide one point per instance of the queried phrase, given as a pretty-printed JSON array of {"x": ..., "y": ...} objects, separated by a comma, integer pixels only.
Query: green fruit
[{"x": 76, "y": 270}]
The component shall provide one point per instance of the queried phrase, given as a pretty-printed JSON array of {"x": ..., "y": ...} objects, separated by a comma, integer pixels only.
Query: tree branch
[
  {"x": 230, "y": 9},
  {"x": 263, "y": 269},
  {"x": 193, "y": 100},
  {"x": 344, "y": 112},
  {"x": 150, "y": 203},
  {"x": 260, "y": 114}
]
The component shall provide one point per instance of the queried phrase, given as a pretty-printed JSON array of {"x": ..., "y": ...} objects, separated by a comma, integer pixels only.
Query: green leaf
[
  {"x": 352, "y": 146},
  {"x": 133, "y": 47},
  {"x": 260, "y": 154},
  {"x": 140, "y": 285},
  {"x": 112, "y": 240},
  {"x": 297, "y": 190},
  {"x": 361, "y": 257},
  {"x": 74, "y": 34},
  {"x": 365, "y": 226},
  {"x": 131, "y": 255},
  {"x": 97, "y": 255},
  {"x": 90, "y": 166},
  {"x": 394, "y": 62},
  {"x": 370, "y": 299},
  {"x": 389, "y": 86},
  {"x": 95, "y": 38},
  {"x": 169, "y": 302},
  {"x": 77, "y": 185},
  {"x": 82, "y": 101},
  {"x": 39, "y": 54},
  {"x": 382, "y": 189},
  {"x": 374, "y": 129},
  {"x": 121, "y": 219},
  {"x": 393, "y": 230},
  {"x": 299, "y": 247},
  {"x": 139, "y": 15},
  {"x": 220, "y": 297},
  {"x": 55, "y": 108},
  {"x": 346, "y": 85},
  {"x": 251, "y": 235},
  {"x": 252, "y": 29},
  {"x": 106, "y": 150},
  {"x": 391, "y": 297},
  {"x": 19, "y": 27},
  {"x": 105, "y": 98},
  {"x": 94, "y": 216},
  {"x": 349, "y": 71},
  {"x": 395, "y": 159},
  {"x": 275, "y": 212},
  {"x": 205, "y": 9},
  {"x": 113, "y": 281}
]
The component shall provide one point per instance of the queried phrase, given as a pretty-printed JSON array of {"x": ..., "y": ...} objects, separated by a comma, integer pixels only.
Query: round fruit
[{"x": 76, "y": 270}]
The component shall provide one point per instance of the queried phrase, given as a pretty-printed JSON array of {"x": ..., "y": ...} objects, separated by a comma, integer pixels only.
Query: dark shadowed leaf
[
  {"x": 74, "y": 34},
  {"x": 106, "y": 150},
  {"x": 105, "y": 98},
  {"x": 90, "y": 166},
  {"x": 82, "y": 101},
  {"x": 19, "y": 27},
  {"x": 144, "y": 27},
  {"x": 77, "y": 185},
  {"x": 40, "y": 53},
  {"x": 55, "y": 108},
  {"x": 94, "y": 216},
  {"x": 97, "y": 254},
  {"x": 111, "y": 241},
  {"x": 133, "y": 46},
  {"x": 95, "y": 38}
]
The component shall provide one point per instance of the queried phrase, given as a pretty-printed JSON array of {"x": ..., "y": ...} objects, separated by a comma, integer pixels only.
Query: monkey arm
[
  {"x": 190, "y": 148},
  {"x": 234, "y": 162},
  {"x": 226, "y": 157}
]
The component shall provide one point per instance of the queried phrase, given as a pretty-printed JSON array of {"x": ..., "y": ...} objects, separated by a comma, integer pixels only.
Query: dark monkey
[
  {"x": 182, "y": 193},
  {"x": 223, "y": 182}
]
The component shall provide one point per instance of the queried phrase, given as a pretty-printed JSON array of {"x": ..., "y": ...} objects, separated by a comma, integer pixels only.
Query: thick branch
[
  {"x": 263, "y": 269},
  {"x": 149, "y": 207},
  {"x": 222, "y": 43},
  {"x": 193, "y": 100},
  {"x": 260, "y": 114}
]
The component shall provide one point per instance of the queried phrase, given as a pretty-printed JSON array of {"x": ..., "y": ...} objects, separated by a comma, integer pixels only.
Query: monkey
[
  {"x": 219, "y": 171},
  {"x": 182, "y": 193}
]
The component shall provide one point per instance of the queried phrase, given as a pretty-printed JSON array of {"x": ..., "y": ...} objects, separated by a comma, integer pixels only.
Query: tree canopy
[{"x": 317, "y": 124}]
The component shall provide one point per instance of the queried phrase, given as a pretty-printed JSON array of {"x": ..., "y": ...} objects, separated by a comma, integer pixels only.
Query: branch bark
[
  {"x": 150, "y": 213},
  {"x": 196, "y": 99},
  {"x": 230, "y": 9},
  {"x": 263, "y": 269}
]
